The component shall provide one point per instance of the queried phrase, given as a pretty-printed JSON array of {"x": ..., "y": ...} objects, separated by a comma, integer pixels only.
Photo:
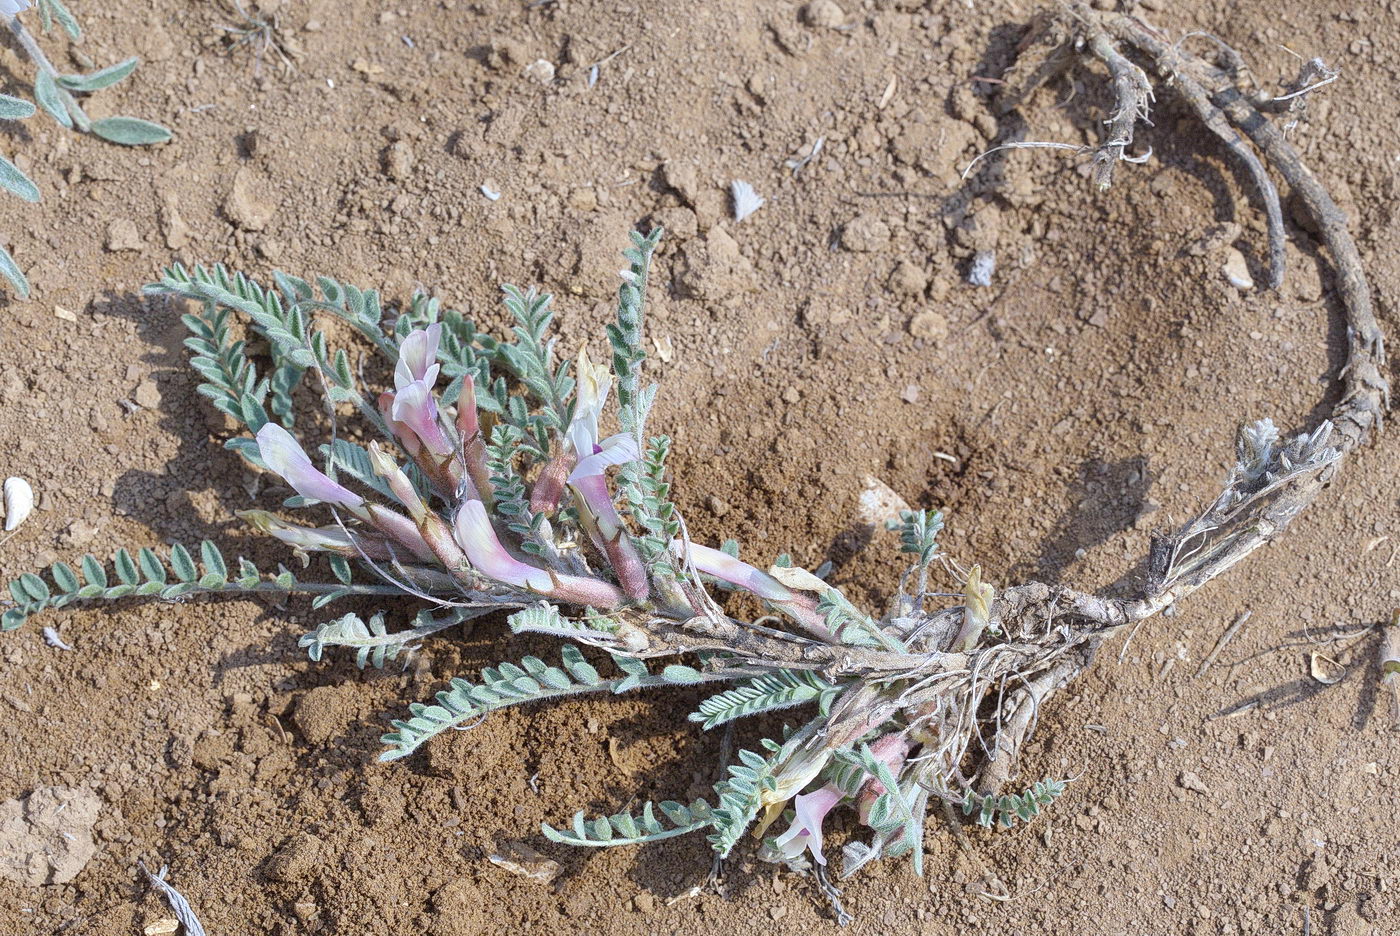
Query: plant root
[{"x": 1271, "y": 484}]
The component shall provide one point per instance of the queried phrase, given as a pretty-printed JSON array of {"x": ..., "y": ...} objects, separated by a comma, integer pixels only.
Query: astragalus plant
[{"x": 499, "y": 482}]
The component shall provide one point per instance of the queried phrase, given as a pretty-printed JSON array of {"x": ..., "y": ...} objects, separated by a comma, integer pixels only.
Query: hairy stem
[{"x": 36, "y": 54}]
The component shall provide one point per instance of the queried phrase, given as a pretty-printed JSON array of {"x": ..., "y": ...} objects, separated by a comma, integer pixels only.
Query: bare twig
[
  {"x": 1133, "y": 93},
  {"x": 178, "y": 904},
  {"x": 1224, "y": 640},
  {"x": 1029, "y": 144},
  {"x": 1390, "y": 663}
]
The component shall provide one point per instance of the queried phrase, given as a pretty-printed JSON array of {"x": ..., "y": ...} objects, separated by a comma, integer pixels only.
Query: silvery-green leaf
[
  {"x": 130, "y": 131},
  {"x": 11, "y": 272},
  {"x": 59, "y": 12},
  {"x": 17, "y": 182},
  {"x": 13, "y": 108},
  {"x": 51, "y": 99},
  {"x": 98, "y": 80}
]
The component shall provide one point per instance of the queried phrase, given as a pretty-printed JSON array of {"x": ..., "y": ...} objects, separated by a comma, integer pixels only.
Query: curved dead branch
[{"x": 1271, "y": 484}]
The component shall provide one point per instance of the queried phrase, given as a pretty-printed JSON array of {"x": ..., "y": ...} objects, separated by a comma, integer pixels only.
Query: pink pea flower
[
  {"x": 548, "y": 489},
  {"x": 476, "y": 536},
  {"x": 589, "y": 483},
  {"x": 614, "y": 450},
  {"x": 415, "y": 407},
  {"x": 468, "y": 423},
  {"x": 309, "y": 539},
  {"x": 806, "y": 830},
  {"x": 802, "y": 608},
  {"x": 374, "y": 544},
  {"x": 418, "y": 357},
  {"x": 473, "y": 445},
  {"x": 601, "y": 516},
  {"x": 594, "y": 382},
  {"x": 432, "y": 530},
  {"x": 405, "y": 435},
  {"x": 283, "y": 455},
  {"x": 387, "y": 468},
  {"x": 734, "y": 571},
  {"x": 892, "y": 749}
]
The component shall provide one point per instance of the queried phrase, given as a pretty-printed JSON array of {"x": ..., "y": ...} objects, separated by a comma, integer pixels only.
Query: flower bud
[{"x": 282, "y": 454}]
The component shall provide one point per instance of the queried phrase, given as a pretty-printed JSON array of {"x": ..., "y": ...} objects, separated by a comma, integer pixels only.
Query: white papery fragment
[{"x": 19, "y": 502}]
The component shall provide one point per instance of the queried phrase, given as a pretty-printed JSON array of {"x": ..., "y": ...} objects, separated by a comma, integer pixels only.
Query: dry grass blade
[{"x": 1223, "y": 642}]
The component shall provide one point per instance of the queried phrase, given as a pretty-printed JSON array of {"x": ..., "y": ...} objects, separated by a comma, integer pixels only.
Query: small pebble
[
  {"x": 984, "y": 264},
  {"x": 1190, "y": 781},
  {"x": 826, "y": 14},
  {"x": 541, "y": 70},
  {"x": 1236, "y": 270}
]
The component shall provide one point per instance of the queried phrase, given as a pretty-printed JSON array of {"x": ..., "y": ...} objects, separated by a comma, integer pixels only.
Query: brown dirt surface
[{"x": 1089, "y": 394}]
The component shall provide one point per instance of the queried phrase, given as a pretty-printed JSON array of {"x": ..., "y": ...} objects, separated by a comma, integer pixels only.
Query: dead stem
[
  {"x": 1256, "y": 504},
  {"x": 1133, "y": 93}
]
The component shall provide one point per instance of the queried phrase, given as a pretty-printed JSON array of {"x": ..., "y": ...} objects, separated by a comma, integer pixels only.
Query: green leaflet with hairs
[
  {"x": 767, "y": 693},
  {"x": 509, "y": 500},
  {"x": 918, "y": 534},
  {"x": 11, "y": 271},
  {"x": 851, "y": 625},
  {"x": 740, "y": 798},
  {"x": 147, "y": 574},
  {"x": 230, "y": 379},
  {"x": 372, "y": 642},
  {"x": 544, "y": 618},
  {"x": 532, "y": 680},
  {"x": 648, "y": 497},
  {"x": 1007, "y": 808},
  {"x": 102, "y": 78},
  {"x": 627, "y": 828},
  {"x": 281, "y": 318},
  {"x": 531, "y": 359},
  {"x": 130, "y": 131},
  {"x": 626, "y": 336},
  {"x": 50, "y": 10}
]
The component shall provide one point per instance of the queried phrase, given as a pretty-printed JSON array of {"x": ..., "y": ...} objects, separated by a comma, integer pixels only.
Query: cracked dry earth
[{"x": 1087, "y": 395}]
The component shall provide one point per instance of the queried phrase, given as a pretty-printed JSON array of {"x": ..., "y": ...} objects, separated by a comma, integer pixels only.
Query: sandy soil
[{"x": 1090, "y": 393}]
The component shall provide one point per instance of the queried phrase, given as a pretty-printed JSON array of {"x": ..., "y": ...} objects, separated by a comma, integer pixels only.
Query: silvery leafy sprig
[{"x": 58, "y": 94}]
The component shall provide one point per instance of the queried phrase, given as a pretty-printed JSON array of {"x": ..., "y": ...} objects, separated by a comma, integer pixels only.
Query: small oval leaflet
[
  {"x": 13, "y": 108},
  {"x": 11, "y": 271},
  {"x": 98, "y": 80},
  {"x": 16, "y": 182},
  {"x": 49, "y": 98},
  {"x": 130, "y": 131}
]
